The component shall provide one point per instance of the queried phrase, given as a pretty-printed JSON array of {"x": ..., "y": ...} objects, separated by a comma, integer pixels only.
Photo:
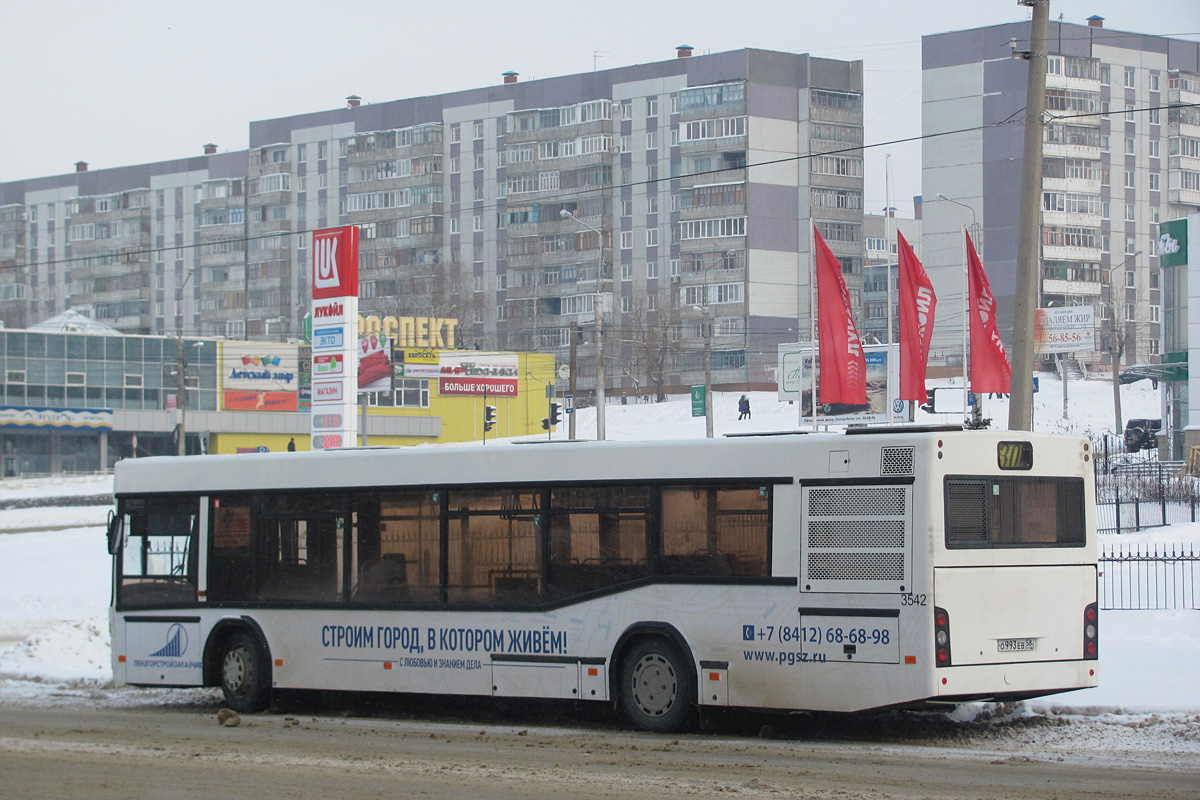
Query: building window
[
  {"x": 651, "y": 106},
  {"x": 479, "y": 161},
  {"x": 1129, "y": 146},
  {"x": 1130, "y": 78},
  {"x": 1130, "y": 177},
  {"x": 477, "y": 223},
  {"x": 1154, "y": 181},
  {"x": 1129, "y": 212},
  {"x": 627, "y": 272},
  {"x": 652, "y": 237},
  {"x": 1154, "y": 148},
  {"x": 675, "y": 267},
  {"x": 651, "y": 269},
  {"x": 652, "y": 140},
  {"x": 626, "y": 240},
  {"x": 477, "y": 130},
  {"x": 455, "y": 134}
]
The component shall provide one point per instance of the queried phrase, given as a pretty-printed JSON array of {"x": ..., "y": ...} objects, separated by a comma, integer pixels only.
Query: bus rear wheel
[
  {"x": 655, "y": 686},
  {"x": 245, "y": 673}
]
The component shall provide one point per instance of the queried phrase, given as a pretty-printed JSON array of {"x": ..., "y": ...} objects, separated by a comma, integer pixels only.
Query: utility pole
[
  {"x": 571, "y": 379},
  {"x": 708, "y": 400},
  {"x": 180, "y": 368},
  {"x": 1020, "y": 407},
  {"x": 600, "y": 308}
]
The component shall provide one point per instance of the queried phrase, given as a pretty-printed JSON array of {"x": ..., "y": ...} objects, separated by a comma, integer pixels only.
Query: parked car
[{"x": 1142, "y": 434}]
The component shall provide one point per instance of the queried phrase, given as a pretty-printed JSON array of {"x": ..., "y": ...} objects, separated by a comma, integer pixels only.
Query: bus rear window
[{"x": 1014, "y": 512}]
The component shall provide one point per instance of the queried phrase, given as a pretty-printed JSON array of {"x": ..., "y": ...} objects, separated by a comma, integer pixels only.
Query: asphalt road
[{"x": 183, "y": 752}]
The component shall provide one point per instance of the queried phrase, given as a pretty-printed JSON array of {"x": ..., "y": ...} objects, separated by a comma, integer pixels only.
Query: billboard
[
  {"x": 374, "y": 364},
  {"x": 1071, "y": 329},
  {"x": 260, "y": 367},
  {"x": 236, "y": 400},
  {"x": 473, "y": 372},
  {"x": 795, "y": 385}
]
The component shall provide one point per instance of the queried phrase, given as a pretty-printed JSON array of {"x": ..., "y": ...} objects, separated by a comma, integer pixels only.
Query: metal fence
[{"x": 1137, "y": 576}]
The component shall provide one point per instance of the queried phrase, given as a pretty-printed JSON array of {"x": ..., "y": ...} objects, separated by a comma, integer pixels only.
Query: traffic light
[
  {"x": 545, "y": 423},
  {"x": 554, "y": 415},
  {"x": 927, "y": 406},
  {"x": 489, "y": 417}
]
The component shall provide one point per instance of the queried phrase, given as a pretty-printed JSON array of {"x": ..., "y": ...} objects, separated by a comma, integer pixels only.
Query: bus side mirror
[{"x": 116, "y": 532}]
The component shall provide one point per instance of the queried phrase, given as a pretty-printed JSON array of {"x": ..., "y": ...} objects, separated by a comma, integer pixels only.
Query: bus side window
[
  {"x": 230, "y": 560},
  {"x": 395, "y": 551},
  {"x": 159, "y": 560},
  {"x": 714, "y": 532},
  {"x": 299, "y": 547},
  {"x": 598, "y": 538}
]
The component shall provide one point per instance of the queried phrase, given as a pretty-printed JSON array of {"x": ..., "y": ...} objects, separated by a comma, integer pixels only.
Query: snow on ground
[{"x": 54, "y": 582}]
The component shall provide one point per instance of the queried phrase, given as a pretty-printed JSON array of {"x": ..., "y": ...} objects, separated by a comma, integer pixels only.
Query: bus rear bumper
[{"x": 1014, "y": 681}]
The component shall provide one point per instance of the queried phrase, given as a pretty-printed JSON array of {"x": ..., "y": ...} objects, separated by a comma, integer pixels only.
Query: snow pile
[{"x": 62, "y": 651}]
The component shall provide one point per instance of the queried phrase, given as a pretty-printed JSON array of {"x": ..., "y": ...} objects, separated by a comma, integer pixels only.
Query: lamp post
[
  {"x": 966, "y": 301},
  {"x": 708, "y": 332},
  {"x": 564, "y": 214},
  {"x": 1117, "y": 340}
]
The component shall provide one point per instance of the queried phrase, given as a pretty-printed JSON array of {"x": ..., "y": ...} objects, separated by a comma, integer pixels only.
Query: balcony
[
  {"x": 1185, "y": 197},
  {"x": 1077, "y": 288},
  {"x": 1066, "y": 253}
]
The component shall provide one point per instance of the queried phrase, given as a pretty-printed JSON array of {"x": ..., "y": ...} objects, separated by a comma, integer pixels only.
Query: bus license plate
[{"x": 1015, "y": 645}]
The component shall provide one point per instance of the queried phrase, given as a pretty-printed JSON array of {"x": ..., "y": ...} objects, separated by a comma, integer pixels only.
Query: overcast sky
[{"x": 119, "y": 82}]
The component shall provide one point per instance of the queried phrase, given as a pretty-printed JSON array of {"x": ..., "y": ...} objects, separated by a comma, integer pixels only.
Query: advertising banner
[
  {"x": 410, "y": 363},
  {"x": 235, "y": 400},
  {"x": 374, "y": 364},
  {"x": 472, "y": 372},
  {"x": 255, "y": 366},
  {"x": 795, "y": 384},
  {"x": 22, "y": 416},
  {"x": 1064, "y": 330}
]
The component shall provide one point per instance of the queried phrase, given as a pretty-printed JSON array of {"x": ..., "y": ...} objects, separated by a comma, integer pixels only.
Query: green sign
[
  {"x": 1172, "y": 244},
  {"x": 698, "y": 405}
]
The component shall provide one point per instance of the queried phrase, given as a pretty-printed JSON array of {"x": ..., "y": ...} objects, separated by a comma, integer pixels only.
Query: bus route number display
[{"x": 1014, "y": 455}]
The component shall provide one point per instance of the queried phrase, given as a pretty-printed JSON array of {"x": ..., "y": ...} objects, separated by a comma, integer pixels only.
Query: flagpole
[
  {"x": 812, "y": 320},
  {"x": 887, "y": 271},
  {"x": 966, "y": 321}
]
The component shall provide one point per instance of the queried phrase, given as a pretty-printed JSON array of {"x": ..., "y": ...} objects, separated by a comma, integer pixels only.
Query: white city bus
[{"x": 848, "y": 571}]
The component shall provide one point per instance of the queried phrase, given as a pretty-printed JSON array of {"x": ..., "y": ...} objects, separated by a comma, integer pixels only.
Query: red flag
[
  {"x": 990, "y": 371},
  {"x": 917, "y": 306},
  {"x": 843, "y": 367}
]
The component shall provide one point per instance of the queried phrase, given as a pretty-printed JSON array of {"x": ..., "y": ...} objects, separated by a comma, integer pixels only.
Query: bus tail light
[
  {"x": 941, "y": 636},
  {"x": 1091, "y": 631}
]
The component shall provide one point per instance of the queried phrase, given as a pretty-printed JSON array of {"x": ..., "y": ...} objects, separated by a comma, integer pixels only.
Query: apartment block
[
  {"x": 648, "y": 208},
  {"x": 1118, "y": 160}
]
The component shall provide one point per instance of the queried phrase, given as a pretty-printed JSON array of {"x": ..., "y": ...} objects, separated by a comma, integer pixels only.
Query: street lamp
[
  {"x": 1117, "y": 339},
  {"x": 181, "y": 390},
  {"x": 564, "y": 214},
  {"x": 966, "y": 299},
  {"x": 707, "y": 311}
]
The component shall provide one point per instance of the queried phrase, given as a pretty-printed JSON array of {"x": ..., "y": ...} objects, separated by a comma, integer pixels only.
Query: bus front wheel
[
  {"x": 245, "y": 673},
  {"x": 655, "y": 686}
]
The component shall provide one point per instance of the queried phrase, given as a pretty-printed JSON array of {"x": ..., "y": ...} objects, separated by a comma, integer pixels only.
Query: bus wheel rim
[
  {"x": 238, "y": 671},
  {"x": 655, "y": 685}
]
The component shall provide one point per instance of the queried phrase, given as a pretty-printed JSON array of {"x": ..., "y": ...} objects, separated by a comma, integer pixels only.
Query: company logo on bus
[{"x": 177, "y": 643}]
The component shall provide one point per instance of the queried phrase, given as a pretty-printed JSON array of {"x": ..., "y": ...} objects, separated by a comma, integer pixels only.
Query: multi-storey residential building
[
  {"x": 1109, "y": 170},
  {"x": 630, "y": 204}
]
